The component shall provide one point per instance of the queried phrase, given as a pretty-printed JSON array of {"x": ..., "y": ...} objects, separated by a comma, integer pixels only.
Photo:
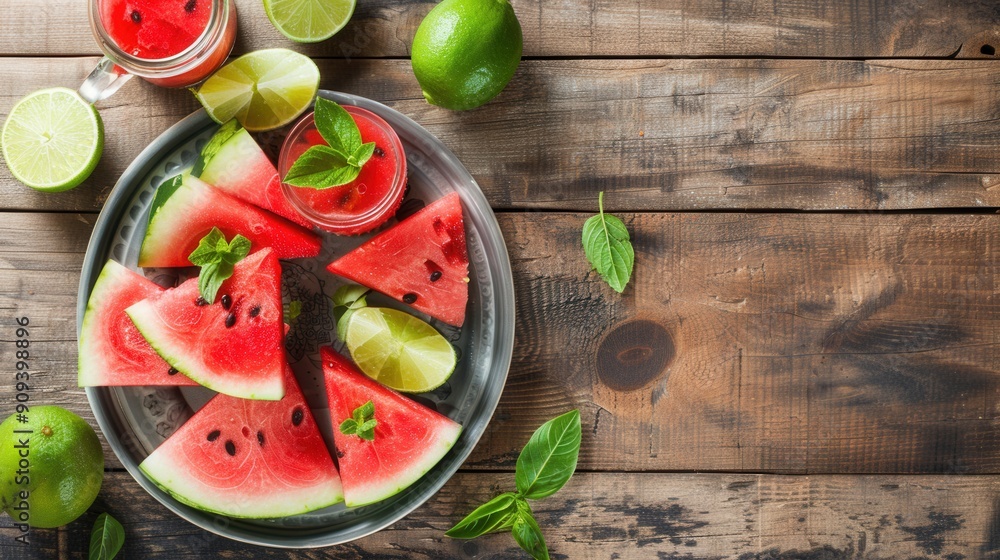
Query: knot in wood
[{"x": 633, "y": 354}]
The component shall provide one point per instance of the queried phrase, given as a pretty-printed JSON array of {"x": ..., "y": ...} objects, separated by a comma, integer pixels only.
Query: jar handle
[{"x": 106, "y": 78}]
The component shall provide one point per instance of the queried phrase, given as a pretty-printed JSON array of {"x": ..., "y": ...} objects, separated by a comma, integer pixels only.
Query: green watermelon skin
[
  {"x": 402, "y": 261},
  {"x": 409, "y": 438},
  {"x": 185, "y": 209},
  {"x": 290, "y": 473},
  {"x": 245, "y": 360},
  {"x": 241, "y": 169},
  {"x": 112, "y": 351}
]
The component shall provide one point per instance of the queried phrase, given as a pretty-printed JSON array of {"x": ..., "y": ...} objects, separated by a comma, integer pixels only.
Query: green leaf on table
[
  {"x": 216, "y": 258},
  {"x": 495, "y": 515},
  {"x": 528, "y": 534},
  {"x": 549, "y": 459},
  {"x": 215, "y": 144},
  {"x": 346, "y": 300},
  {"x": 321, "y": 167},
  {"x": 106, "y": 538},
  {"x": 607, "y": 246},
  {"x": 337, "y": 127},
  {"x": 361, "y": 423}
]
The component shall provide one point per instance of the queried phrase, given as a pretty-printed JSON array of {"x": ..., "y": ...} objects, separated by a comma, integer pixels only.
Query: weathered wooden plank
[
  {"x": 381, "y": 28},
  {"x": 654, "y": 134},
  {"x": 607, "y": 515},
  {"x": 761, "y": 342}
]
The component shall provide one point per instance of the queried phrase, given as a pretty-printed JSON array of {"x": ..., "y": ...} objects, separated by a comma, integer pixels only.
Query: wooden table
[{"x": 805, "y": 364}]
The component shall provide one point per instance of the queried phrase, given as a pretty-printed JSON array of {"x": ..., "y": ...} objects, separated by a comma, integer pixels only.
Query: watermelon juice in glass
[
  {"x": 169, "y": 43},
  {"x": 366, "y": 202}
]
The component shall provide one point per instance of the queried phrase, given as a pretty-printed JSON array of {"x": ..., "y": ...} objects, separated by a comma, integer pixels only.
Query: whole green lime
[
  {"x": 51, "y": 466},
  {"x": 465, "y": 52}
]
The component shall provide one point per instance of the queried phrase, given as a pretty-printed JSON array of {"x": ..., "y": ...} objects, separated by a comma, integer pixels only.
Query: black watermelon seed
[
  {"x": 410, "y": 298},
  {"x": 230, "y": 320},
  {"x": 379, "y": 152},
  {"x": 435, "y": 276},
  {"x": 190, "y": 6},
  {"x": 227, "y": 302},
  {"x": 297, "y": 416},
  {"x": 260, "y": 438},
  {"x": 213, "y": 435},
  {"x": 340, "y": 454},
  {"x": 172, "y": 371},
  {"x": 230, "y": 447},
  {"x": 200, "y": 301},
  {"x": 255, "y": 311},
  {"x": 136, "y": 16}
]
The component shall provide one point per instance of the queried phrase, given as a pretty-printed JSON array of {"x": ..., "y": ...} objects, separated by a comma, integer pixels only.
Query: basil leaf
[
  {"x": 106, "y": 538},
  {"x": 528, "y": 534},
  {"x": 549, "y": 458},
  {"x": 337, "y": 126},
  {"x": 321, "y": 167},
  {"x": 607, "y": 246},
  {"x": 495, "y": 515},
  {"x": 215, "y": 144},
  {"x": 362, "y": 154}
]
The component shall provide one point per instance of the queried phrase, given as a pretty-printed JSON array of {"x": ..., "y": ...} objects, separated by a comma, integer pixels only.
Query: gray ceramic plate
[{"x": 137, "y": 419}]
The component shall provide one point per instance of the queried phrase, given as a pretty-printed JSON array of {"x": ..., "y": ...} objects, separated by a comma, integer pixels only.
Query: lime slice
[
  {"x": 263, "y": 89},
  {"x": 398, "y": 350},
  {"x": 309, "y": 21},
  {"x": 52, "y": 140}
]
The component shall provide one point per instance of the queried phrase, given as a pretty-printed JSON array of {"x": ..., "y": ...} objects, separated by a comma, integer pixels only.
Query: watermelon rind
[
  {"x": 192, "y": 468},
  {"x": 342, "y": 376},
  {"x": 100, "y": 362}
]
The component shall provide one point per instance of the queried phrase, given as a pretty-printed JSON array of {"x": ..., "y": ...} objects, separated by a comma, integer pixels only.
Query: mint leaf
[
  {"x": 209, "y": 281},
  {"x": 495, "y": 515},
  {"x": 215, "y": 144},
  {"x": 207, "y": 250},
  {"x": 362, "y": 422},
  {"x": 549, "y": 459},
  {"x": 346, "y": 300},
  {"x": 349, "y": 427},
  {"x": 366, "y": 410},
  {"x": 337, "y": 127},
  {"x": 237, "y": 250},
  {"x": 321, "y": 167},
  {"x": 607, "y": 246},
  {"x": 528, "y": 534},
  {"x": 362, "y": 154},
  {"x": 106, "y": 538},
  {"x": 216, "y": 258}
]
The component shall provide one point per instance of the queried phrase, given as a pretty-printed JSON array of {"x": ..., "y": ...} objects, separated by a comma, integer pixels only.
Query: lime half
[
  {"x": 399, "y": 350},
  {"x": 309, "y": 21},
  {"x": 263, "y": 90},
  {"x": 52, "y": 140}
]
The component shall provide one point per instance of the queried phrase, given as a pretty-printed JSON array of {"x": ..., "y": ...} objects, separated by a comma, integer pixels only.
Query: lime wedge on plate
[
  {"x": 309, "y": 21},
  {"x": 398, "y": 350},
  {"x": 263, "y": 90},
  {"x": 52, "y": 140}
]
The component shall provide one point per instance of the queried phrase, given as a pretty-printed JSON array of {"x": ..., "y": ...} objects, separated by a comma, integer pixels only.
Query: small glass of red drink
[
  {"x": 366, "y": 202},
  {"x": 169, "y": 43}
]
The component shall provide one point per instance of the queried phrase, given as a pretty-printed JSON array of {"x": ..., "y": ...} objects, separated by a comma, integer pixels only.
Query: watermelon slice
[
  {"x": 234, "y": 345},
  {"x": 254, "y": 459},
  {"x": 421, "y": 261},
  {"x": 185, "y": 209},
  {"x": 234, "y": 163},
  {"x": 409, "y": 438},
  {"x": 112, "y": 352}
]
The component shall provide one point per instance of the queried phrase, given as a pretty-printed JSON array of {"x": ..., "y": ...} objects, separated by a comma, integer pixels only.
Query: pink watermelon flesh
[
  {"x": 421, "y": 261},
  {"x": 240, "y": 168},
  {"x": 112, "y": 352},
  {"x": 245, "y": 359},
  {"x": 185, "y": 209},
  {"x": 243, "y": 458},
  {"x": 409, "y": 438}
]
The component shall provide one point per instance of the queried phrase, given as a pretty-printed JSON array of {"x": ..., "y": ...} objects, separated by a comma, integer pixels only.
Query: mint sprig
[
  {"x": 339, "y": 162},
  {"x": 607, "y": 246},
  {"x": 216, "y": 257},
  {"x": 545, "y": 464},
  {"x": 362, "y": 422}
]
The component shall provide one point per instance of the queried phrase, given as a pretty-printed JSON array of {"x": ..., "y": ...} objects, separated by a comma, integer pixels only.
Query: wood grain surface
[
  {"x": 765, "y": 342},
  {"x": 582, "y": 28},
  {"x": 600, "y": 516},
  {"x": 655, "y": 134}
]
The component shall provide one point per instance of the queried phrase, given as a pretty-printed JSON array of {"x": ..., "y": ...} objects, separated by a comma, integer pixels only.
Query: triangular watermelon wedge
[
  {"x": 409, "y": 438},
  {"x": 253, "y": 459},
  {"x": 421, "y": 261},
  {"x": 233, "y": 162},
  {"x": 112, "y": 352},
  {"x": 185, "y": 209},
  {"x": 243, "y": 356}
]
